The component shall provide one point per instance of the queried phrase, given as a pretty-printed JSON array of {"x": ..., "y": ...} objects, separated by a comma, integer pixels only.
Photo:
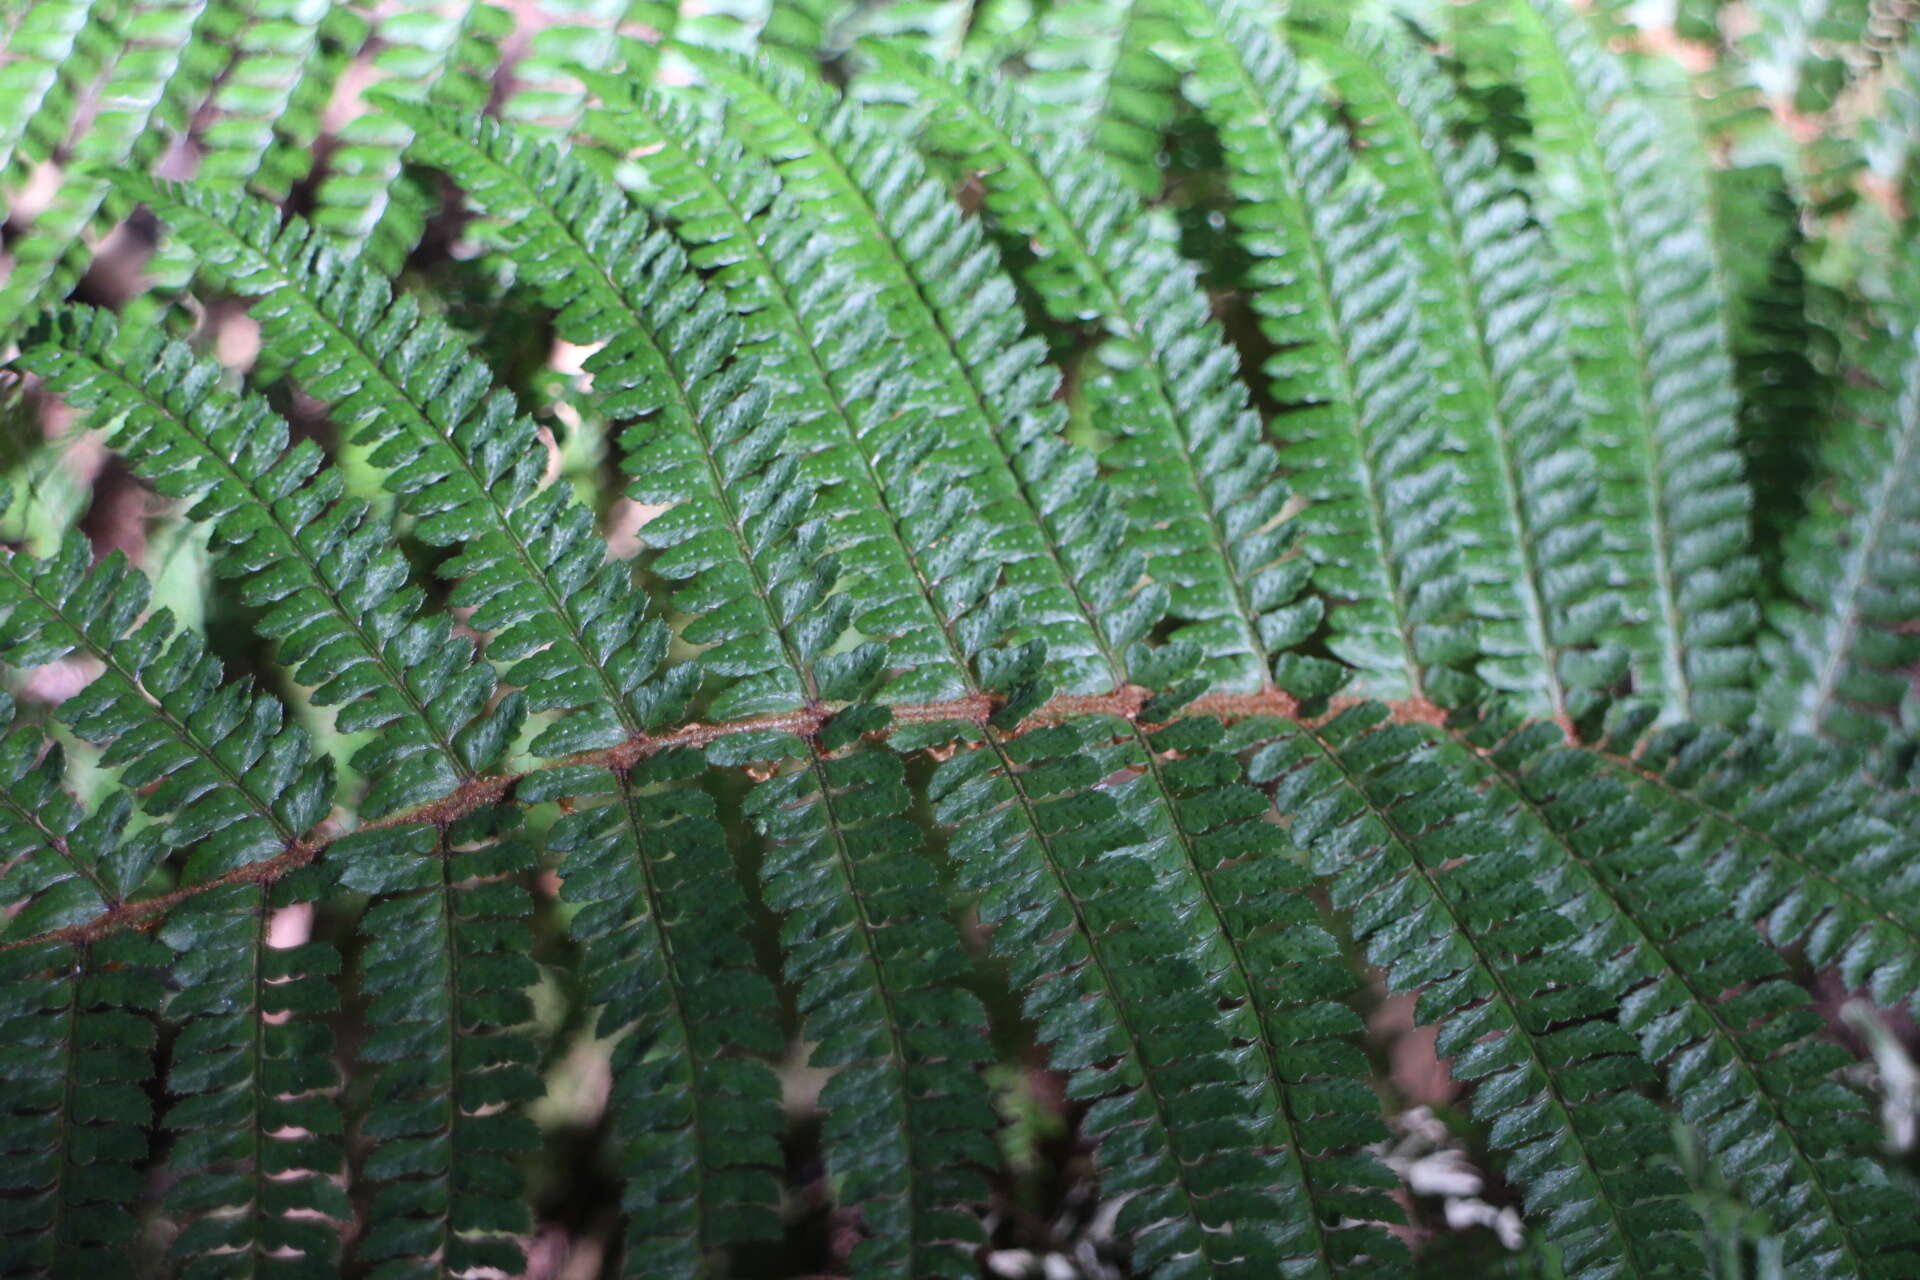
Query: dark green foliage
[{"x": 887, "y": 651}]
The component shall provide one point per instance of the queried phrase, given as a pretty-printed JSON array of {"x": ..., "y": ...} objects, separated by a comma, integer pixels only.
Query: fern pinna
[{"x": 777, "y": 612}]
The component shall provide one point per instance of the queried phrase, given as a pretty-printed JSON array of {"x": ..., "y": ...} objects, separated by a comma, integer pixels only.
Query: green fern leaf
[
  {"x": 238, "y": 780},
  {"x": 1450, "y": 908},
  {"x": 461, "y": 459},
  {"x": 1506, "y": 391},
  {"x": 445, "y": 970},
  {"x": 1107, "y": 71},
  {"x": 672, "y": 969},
  {"x": 1709, "y": 1004},
  {"x": 1205, "y": 497},
  {"x": 340, "y": 598},
  {"x": 1837, "y": 661},
  {"x": 876, "y": 965},
  {"x": 256, "y": 1126},
  {"x": 1648, "y": 320}
]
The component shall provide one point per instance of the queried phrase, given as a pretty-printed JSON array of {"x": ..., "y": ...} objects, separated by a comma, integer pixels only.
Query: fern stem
[{"x": 489, "y": 789}]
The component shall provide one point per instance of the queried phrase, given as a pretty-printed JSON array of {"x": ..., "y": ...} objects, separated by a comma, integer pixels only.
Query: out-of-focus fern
[{"x": 969, "y": 663}]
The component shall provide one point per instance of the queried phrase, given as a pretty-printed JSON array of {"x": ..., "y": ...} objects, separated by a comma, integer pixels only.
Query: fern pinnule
[
  {"x": 670, "y": 966},
  {"x": 1101, "y": 69},
  {"x": 954, "y": 312},
  {"x": 338, "y": 594},
  {"x": 154, "y": 80},
  {"x": 1710, "y": 1004},
  {"x": 268, "y": 103},
  {"x": 1791, "y": 832},
  {"x": 705, "y": 437},
  {"x": 236, "y": 777},
  {"x": 256, "y": 1119},
  {"x": 445, "y": 55},
  {"x": 877, "y": 966},
  {"x": 76, "y": 1052}
]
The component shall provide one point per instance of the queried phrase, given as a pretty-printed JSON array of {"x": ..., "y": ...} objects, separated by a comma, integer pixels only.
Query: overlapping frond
[
  {"x": 1800, "y": 842},
  {"x": 163, "y": 60},
  {"x": 268, "y": 104},
  {"x": 1651, "y": 352},
  {"x": 1207, "y": 502},
  {"x": 1498, "y": 357},
  {"x": 338, "y": 593},
  {"x": 423, "y": 52},
  {"x": 865, "y": 421},
  {"x": 255, "y": 1119},
  {"x": 75, "y": 1040},
  {"x": 76, "y": 1049},
  {"x": 706, "y": 438},
  {"x": 1451, "y": 906},
  {"x": 1839, "y": 660},
  {"x": 1337, "y": 299},
  {"x": 1090, "y": 896},
  {"x": 877, "y": 966},
  {"x": 462, "y": 459}
]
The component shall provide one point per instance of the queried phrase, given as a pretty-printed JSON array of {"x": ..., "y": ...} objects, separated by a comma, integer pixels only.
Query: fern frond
[
  {"x": 63, "y": 865},
  {"x": 1105, "y": 70},
  {"x": 1337, "y": 299},
  {"x": 1450, "y": 907},
  {"x": 1204, "y": 492},
  {"x": 706, "y": 437},
  {"x": 1709, "y": 1003},
  {"x": 54, "y": 49},
  {"x": 877, "y": 966},
  {"x": 339, "y": 594},
  {"x": 1839, "y": 656},
  {"x": 236, "y": 776},
  {"x": 1499, "y": 358},
  {"x": 75, "y": 1048},
  {"x": 669, "y": 962},
  {"x": 532, "y": 567},
  {"x": 1651, "y": 353},
  {"x": 954, "y": 312},
  {"x": 907, "y": 536},
  {"x": 445, "y": 970},
  {"x": 256, "y": 1124}
]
